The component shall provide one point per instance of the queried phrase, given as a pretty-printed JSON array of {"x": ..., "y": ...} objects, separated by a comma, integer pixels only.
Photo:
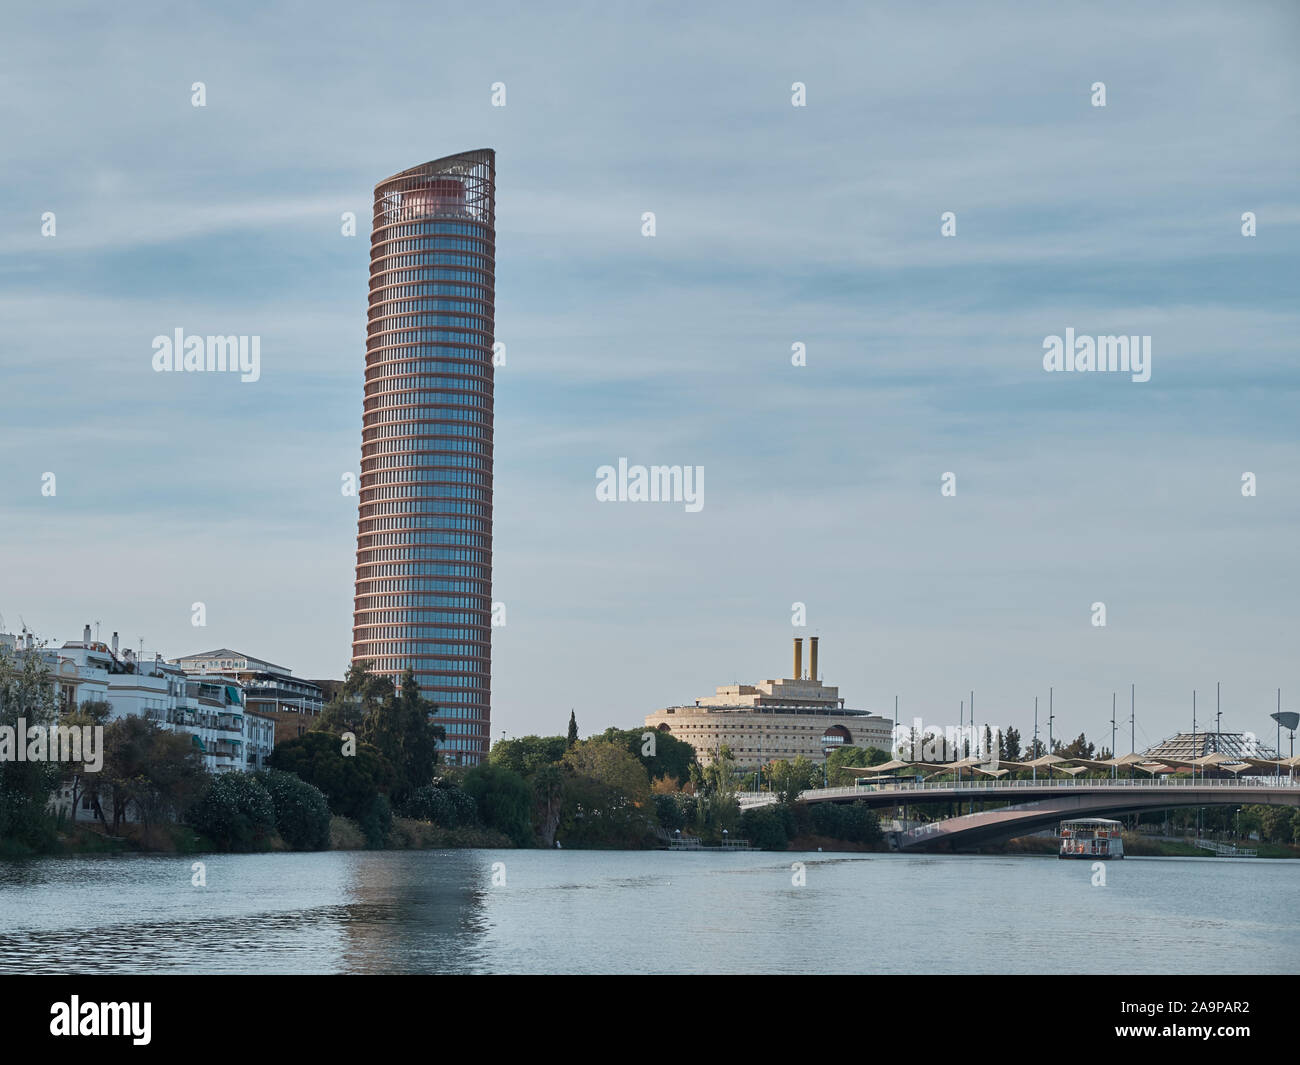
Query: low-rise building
[
  {"x": 774, "y": 720},
  {"x": 269, "y": 689}
]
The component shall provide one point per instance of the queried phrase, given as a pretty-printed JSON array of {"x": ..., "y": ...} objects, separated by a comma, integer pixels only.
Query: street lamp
[{"x": 1286, "y": 719}]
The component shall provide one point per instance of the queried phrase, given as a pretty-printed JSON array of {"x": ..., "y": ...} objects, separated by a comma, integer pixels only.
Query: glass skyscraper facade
[{"x": 424, "y": 528}]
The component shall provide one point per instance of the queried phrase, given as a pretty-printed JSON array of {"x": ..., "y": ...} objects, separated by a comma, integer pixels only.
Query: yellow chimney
[
  {"x": 798, "y": 657},
  {"x": 812, "y": 657}
]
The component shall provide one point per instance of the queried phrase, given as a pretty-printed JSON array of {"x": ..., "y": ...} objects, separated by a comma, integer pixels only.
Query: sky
[{"x": 774, "y": 225}]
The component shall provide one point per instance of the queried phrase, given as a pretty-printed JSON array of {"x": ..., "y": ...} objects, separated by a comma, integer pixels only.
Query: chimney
[
  {"x": 114, "y": 643},
  {"x": 85, "y": 636},
  {"x": 812, "y": 657},
  {"x": 798, "y": 657}
]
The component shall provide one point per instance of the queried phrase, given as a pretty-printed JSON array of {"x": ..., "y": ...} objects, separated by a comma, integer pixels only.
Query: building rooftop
[
  {"x": 227, "y": 653},
  {"x": 1186, "y": 745}
]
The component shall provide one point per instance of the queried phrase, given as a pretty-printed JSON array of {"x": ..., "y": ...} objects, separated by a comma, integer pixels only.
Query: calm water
[{"x": 572, "y": 911}]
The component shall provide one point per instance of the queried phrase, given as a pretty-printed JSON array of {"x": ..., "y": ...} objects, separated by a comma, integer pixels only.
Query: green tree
[
  {"x": 573, "y": 730},
  {"x": 504, "y": 800},
  {"x": 662, "y": 753},
  {"x": 362, "y": 693},
  {"x": 765, "y": 827},
  {"x": 350, "y": 781},
  {"x": 527, "y": 754},
  {"x": 1010, "y": 746},
  {"x": 401, "y": 728},
  {"x": 670, "y": 810},
  {"x": 787, "y": 779},
  {"x": 840, "y": 760},
  {"x": 611, "y": 764},
  {"x": 607, "y": 797},
  {"x": 1079, "y": 747},
  {"x": 442, "y": 803}
]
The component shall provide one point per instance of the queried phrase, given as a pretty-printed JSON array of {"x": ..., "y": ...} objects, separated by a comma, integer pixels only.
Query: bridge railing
[{"x": 996, "y": 786}]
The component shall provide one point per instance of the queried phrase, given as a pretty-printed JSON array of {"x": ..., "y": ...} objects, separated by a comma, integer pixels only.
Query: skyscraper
[{"x": 424, "y": 527}]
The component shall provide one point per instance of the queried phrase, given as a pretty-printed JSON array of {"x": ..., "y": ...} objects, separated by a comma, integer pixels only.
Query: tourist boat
[{"x": 1091, "y": 838}]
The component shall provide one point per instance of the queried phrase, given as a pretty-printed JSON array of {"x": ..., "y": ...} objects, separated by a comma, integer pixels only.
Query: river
[{"x": 473, "y": 911}]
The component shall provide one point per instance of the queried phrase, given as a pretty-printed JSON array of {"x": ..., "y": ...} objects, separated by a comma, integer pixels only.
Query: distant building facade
[
  {"x": 774, "y": 720},
  {"x": 208, "y": 709},
  {"x": 269, "y": 690}
]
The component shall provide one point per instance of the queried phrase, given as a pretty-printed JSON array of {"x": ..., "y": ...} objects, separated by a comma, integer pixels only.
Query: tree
[
  {"x": 527, "y": 754},
  {"x": 607, "y": 797},
  {"x": 573, "y": 730},
  {"x": 671, "y": 811},
  {"x": 400, "y": 726},
  {"x": 27, "y": 694},
  {"x": 442, "y": 803},
  {"x": 840, "y": 760},
  {"x": 504, "y": 800},
  {"x": 855, "y": 822},
  {"x": 158, "y": 771},
  {"x": 350, "y": 782},
  {"x": 788, "y": 779},
  {"x": 1079, "y": 747},
  {"x": 765, "y": 827},
  {"x": 719, "y": 776},
  {"x": 359, "y": 697},
  {"x": 662, "y": 753},
  {"x": 612, "y": 765},
  {"x": 302, "y": 813},
  {"x": 548, "y": 788},
  {"x": 93, "y": 713},
  {"x": 235, "y": 812},
  {"x": 1011, "y": 744}
]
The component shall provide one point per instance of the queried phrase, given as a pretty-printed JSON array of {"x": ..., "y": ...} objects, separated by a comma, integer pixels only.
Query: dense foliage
[
  {"x": 350, "y": 781},
  {"x": 302, "y": 813},
  {"x": 235, "y": 812}
]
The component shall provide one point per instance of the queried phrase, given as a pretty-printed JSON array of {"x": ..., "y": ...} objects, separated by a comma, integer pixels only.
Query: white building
[
  {"x": 210, "y": 710},
  {"x": 774, "y": 720}
]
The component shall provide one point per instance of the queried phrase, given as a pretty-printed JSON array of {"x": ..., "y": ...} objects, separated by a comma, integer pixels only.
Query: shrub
[
  {"x": 302, "y": 813},
  {"x": 446, "y": 806},
  {"x": 345, "y": 835},
  {"x": 765, "y": 827},
  {"x": 235, "y": 812}
]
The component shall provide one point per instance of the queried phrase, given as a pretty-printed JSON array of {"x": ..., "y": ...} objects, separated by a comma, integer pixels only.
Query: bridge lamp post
[{"x": 1289, "y": 720}]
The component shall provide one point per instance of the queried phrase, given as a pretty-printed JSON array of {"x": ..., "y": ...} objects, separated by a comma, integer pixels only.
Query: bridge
[{"x": 1025, "y": 806}]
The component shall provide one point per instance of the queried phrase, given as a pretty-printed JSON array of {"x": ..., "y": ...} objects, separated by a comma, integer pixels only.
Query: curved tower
[{"x": 424, "y": 527}]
